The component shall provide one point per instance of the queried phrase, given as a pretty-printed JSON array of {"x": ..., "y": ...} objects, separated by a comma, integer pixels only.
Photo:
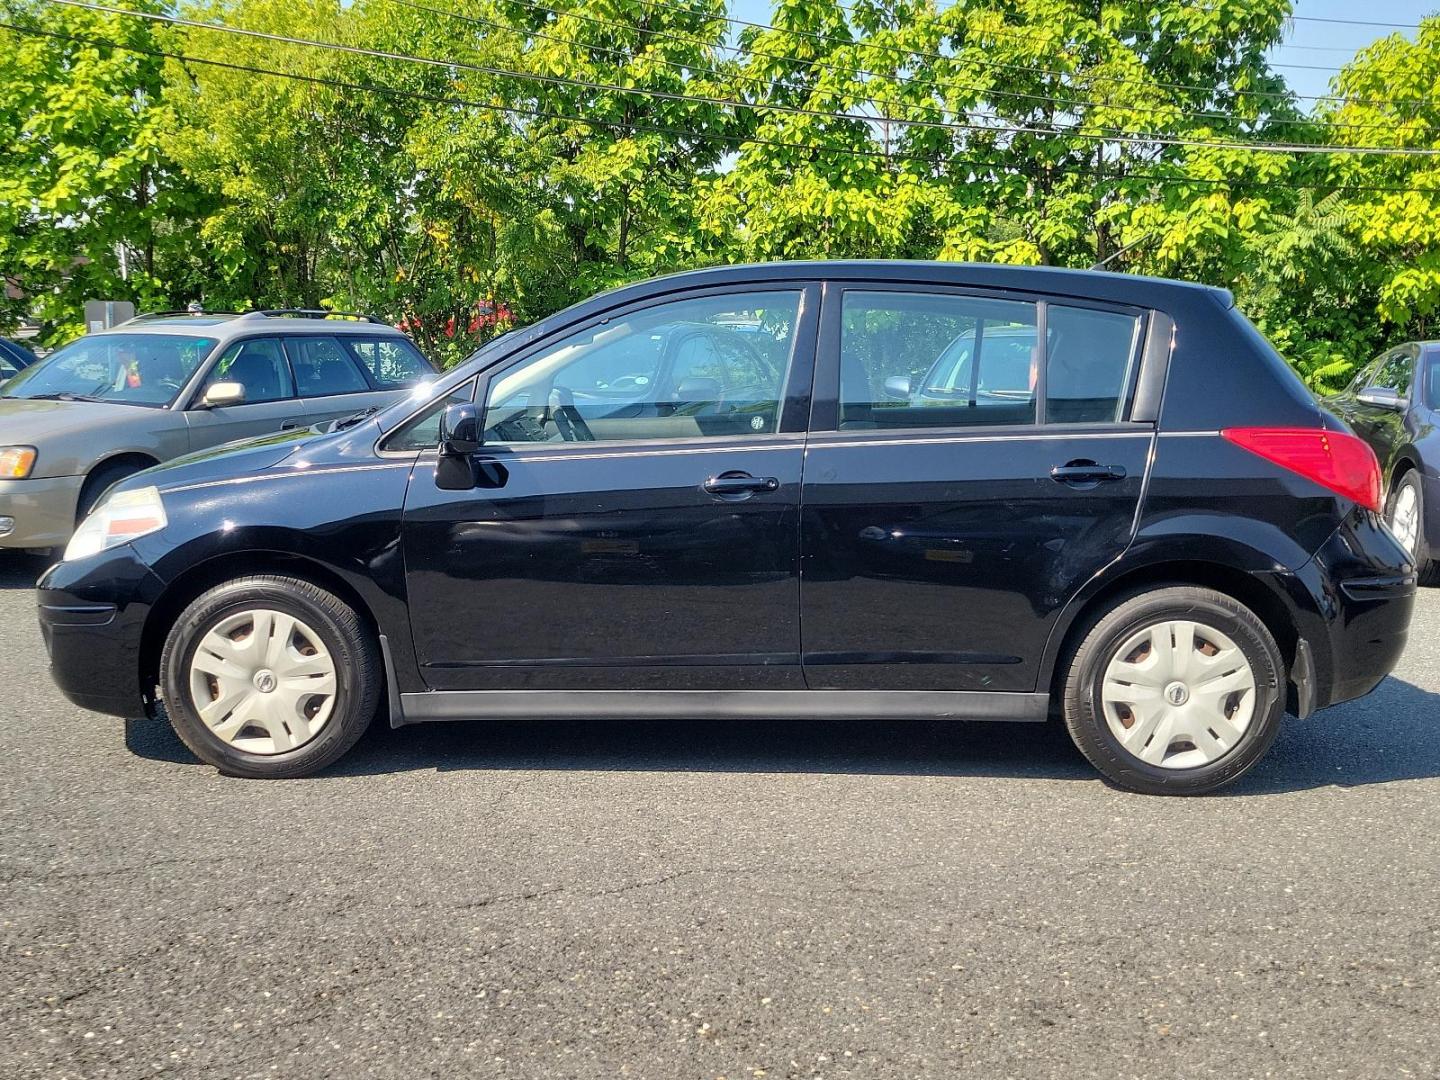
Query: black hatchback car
[
  {"x": 1393, "y": 403},
  {"x": 1150, "y": 529}
]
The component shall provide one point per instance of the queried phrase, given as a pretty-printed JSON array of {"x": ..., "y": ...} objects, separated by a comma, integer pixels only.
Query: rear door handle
[
  {"x": 739, "y": 485},
  {"x": 1080, "y": 473}
]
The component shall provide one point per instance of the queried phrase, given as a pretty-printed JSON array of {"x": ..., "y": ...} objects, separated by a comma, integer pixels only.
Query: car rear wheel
[
  {"x": 1175, "y": 691},
  {"x": 1405, "y": 515},
  {"x": 269, "y": 677}
]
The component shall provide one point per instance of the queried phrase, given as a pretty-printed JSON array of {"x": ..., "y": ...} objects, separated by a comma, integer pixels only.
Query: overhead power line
[
  {"x": 860, "y": 74},
  {"x": 1136, "y": 139},
  {"x": 1304, "y": 18},
  {"x": 1119, "y": 80},
  {"x": 1355, "y": 22},
  {"x": 1173, "y": 180}
]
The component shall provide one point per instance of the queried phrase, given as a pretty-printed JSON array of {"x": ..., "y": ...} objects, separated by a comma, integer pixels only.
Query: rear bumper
[
  {"x": 42, "y": 509},
  {"x": 1352, "y": 604},
  {"x": 92, "y": 616}
]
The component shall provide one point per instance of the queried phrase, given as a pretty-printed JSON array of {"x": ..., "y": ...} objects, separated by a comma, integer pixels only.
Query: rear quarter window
[{"x": 390, "y": 363}]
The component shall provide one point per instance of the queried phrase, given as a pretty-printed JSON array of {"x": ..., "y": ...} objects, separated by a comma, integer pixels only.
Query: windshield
[{"x": 131, "y": 369}]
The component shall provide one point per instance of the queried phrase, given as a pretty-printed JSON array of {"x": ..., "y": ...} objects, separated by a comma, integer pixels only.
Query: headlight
[
  {"x": 122, "y": 517},
  {"x": 16, "y": 462}
]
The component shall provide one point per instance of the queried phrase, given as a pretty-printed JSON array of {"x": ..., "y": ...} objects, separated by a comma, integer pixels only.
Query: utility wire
[
  {"x": 1280, "y": 95},
  {"x": 929, "y": 55},
  {"x": 1300, "y": 18},
  {"x": 1174, "y": 180},
  {"x": 1004, "y": 30},
  {"x": 1137, "y": 139},
  {"x": 755, "y": 80},
  {"x": 901, "y": 81}
]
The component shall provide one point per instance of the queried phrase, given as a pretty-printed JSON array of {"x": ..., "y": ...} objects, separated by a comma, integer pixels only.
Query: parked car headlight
[
  {"x": 16, "y": 462},
  {"x": 124, "y": 516}
]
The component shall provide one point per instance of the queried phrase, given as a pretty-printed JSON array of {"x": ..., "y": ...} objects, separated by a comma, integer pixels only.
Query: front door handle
[
  {"x": 739, "y": 485},
  {"x": 1086, "y": 473}
]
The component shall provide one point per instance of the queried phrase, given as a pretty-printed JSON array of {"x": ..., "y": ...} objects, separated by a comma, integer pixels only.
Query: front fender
[{"x": 344, "y": 520}]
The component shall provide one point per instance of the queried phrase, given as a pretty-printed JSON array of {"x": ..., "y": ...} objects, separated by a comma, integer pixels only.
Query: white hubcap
[
  {"x": 1405, "y": 518},
  {"x": 262, "y": 681},
  {"x": 1178, "y": 694}
]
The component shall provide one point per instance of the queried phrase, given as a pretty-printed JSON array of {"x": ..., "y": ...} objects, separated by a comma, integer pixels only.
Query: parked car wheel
[
  {"x": 1175, "y": 691},
  {"x": 269, "y": 677},
  {"x": 1405, "y": 514}
]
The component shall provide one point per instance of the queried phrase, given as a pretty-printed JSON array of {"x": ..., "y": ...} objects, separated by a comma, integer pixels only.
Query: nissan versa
[{"x": 793, "y": 490}]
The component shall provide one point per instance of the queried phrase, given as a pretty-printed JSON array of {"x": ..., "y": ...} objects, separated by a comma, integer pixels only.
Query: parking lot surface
[{"x": 694, "y": 900}]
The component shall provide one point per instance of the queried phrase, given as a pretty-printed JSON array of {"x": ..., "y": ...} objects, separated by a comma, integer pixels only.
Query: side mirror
[
  {"x": 898, "y": 386},
  {"x": 460, "y": 434},
  {"x": 1382, "y": 397},
  {"x": 220, "y": 394}
]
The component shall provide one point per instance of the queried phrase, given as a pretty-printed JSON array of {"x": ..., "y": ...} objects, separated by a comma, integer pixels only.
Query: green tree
[{"x": 91, "y": 206}]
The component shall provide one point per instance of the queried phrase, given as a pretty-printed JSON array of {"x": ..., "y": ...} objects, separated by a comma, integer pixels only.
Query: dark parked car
[
  {"x": 13, "y": 357},
  {"x": 1394, "y": 405},
  {"x": 1163, "y": 539}
]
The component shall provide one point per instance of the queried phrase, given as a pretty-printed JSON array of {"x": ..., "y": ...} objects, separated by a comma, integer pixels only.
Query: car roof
[
  {"x": 1094, "y": 284},
  {"x": 226, "y": 327}
]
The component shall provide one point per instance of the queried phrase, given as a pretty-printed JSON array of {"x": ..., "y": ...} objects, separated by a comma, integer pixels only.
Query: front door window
[{"x": 695, "y": 368}]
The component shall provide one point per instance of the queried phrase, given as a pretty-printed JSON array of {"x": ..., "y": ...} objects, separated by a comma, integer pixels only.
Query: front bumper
[
  {"x": 92, "y": 616},
  {"x": 42, "y": 508}
]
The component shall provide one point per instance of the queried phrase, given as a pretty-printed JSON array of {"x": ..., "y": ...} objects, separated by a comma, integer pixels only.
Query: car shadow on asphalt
[
  {"x": 19, "y": 570},
  {"x": 1386, "y": 737}
]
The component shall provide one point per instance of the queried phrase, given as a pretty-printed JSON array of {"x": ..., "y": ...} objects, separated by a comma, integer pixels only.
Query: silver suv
[{"x": 159, "y": 386}]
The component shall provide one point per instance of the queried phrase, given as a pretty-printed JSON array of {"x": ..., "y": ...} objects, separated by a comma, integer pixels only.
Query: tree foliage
[{"x": 534, "y": 152}]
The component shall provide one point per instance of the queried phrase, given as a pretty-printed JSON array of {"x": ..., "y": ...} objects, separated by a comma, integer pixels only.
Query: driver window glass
[
  {"x": 258, "y": 365},
  {"x": 1365, "y": 376},
  {"x": 1432, "y": 382},
  {"x": 928, "y": 360},
  {"x": 712, "y": 366},
  {"x": 1394, "y": 373}
]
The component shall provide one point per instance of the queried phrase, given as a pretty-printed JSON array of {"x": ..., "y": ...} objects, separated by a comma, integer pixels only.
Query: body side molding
[{"x": 718, "y": 705}]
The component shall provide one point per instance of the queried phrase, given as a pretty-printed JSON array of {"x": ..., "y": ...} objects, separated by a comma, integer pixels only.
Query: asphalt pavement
[{"x": 690, "y": 900}]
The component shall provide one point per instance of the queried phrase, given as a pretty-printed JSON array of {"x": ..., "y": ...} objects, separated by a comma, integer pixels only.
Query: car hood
[
  {"x": 232, "y": 460},
  {"x": 66, "y": 432}
]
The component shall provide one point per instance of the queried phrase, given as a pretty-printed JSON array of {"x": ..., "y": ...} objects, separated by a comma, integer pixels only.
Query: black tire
[
  {"x": 1083, "y": 711},
  {"x": 101, "y": 481},
  {"x": 359, "y": 675},
  {"x": 1425, "y": 565}
]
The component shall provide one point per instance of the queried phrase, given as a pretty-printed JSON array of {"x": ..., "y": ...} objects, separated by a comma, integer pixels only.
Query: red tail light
[{"x": 1333, "y": 459}]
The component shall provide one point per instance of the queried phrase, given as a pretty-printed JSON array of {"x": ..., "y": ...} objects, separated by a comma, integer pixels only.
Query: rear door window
[
  {"x": 322, "y": 367},
  {"x": 935, "y": 360}
]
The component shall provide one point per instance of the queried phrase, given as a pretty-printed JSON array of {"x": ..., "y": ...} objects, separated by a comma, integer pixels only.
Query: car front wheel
[
  {"x": 269, "y": 677},
  {"x": 1175, "y": 691}
]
